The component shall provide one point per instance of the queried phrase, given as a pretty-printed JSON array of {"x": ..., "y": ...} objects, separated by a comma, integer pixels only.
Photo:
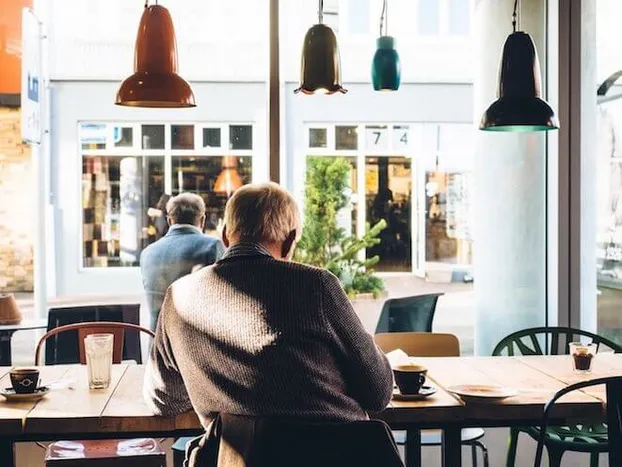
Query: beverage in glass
[
  {"x": 98, "y": 349},
  {"x": 582, "y": 356}
]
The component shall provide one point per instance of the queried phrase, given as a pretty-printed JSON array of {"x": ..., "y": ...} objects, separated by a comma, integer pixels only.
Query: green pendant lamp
[
  {"x": 320, "y": 68},
  {"x": 519, "y": 107},
  {"x": 385, "y": 68}
]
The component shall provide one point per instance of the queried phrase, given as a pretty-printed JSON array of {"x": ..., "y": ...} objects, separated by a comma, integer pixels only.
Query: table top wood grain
[{"x": 121, "y": 409}]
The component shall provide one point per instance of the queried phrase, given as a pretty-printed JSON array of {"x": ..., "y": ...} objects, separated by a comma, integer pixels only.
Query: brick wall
[{"x": 17, "y": 206}]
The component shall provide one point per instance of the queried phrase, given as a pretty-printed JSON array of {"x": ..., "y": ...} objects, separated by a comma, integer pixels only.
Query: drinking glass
[
  {"x": 582, "y": 356},
  {"x": 98, "y": 349}
]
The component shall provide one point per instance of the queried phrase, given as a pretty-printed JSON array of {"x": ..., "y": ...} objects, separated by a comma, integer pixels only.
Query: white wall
[{"x": 73, "y": 102}]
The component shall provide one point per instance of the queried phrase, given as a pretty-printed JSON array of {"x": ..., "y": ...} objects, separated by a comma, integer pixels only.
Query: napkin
[{"x": 398, "y": 357}]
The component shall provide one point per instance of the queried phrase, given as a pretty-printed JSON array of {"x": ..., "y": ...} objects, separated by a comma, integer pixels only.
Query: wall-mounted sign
[{"x": 32, "y": 80}]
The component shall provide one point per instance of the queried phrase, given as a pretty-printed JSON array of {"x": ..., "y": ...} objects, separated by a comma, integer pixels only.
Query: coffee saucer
[
  {"x": 10, "y": 395},
  {"x": 424, "y": 393}
]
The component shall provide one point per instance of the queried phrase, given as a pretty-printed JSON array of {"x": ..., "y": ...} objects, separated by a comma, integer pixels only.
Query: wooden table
[{"x": 119, "y": 412}]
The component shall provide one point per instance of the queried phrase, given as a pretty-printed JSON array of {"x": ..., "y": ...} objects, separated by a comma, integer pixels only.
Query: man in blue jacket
[{"x": 184, "y": 249}]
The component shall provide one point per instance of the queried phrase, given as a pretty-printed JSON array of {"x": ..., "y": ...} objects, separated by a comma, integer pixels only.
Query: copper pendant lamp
[
  {"x": 229, "y": 179},
  {"x": 320, "y": 67},
  {"x": 155, "y": 82},
  {"x": 519, "y": 107}
]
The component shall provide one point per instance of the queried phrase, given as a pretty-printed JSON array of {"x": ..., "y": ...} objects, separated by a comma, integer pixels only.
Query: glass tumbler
[
  {"x": 98, "y": 349},
  {"x": 582, "y": 356}
]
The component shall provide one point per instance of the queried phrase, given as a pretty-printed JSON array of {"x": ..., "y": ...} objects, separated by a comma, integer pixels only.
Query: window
[
  {"x": 358, "y": 16},
  {"x": 459, "y": 17},
  {"x": 428, "y": 17},
  {"x": 331, "y": 14},
  {"x": 123, "y": 186}
]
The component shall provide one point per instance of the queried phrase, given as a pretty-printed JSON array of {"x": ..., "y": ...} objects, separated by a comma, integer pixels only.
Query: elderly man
[
  {"x": 256, "y": 334},
  {"x": 182, "y": 250}
]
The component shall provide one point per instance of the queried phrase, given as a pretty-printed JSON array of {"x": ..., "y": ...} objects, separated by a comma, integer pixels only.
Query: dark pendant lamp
[
  {"x": 385, "y": 68},
  {"x": 155, "y": 82},
  {"x": 320, "y": 70},
  {"x": 519, "y": 107}
]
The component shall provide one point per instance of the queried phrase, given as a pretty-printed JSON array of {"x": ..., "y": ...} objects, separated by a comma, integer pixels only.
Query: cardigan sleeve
[
  {"x": 367, "y": 371},
  {"x": 163, "y": 388}
]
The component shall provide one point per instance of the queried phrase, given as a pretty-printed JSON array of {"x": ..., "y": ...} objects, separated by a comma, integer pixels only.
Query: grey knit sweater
[{"x": 252, "y": 335}]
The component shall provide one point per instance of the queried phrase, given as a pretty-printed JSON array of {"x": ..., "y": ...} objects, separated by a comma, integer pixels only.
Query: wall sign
[{"x": 32, "y": 81}]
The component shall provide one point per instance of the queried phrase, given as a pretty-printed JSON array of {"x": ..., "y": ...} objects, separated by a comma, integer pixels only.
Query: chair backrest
[
  {"x": 549, "y": 341},
  {"x": 408, "y": 314},
  {"x": 257, "y": 442},
  {"x": 613, "y": 386},
  {"x": 61, "y": 348},
  {"x": 85, "y": 329},
  {"x": 419, "y": 344}
]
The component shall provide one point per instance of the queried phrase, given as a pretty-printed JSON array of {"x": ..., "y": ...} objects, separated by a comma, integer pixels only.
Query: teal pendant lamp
[
  {"x": 385, "y": 68},
  {"x": 320, "y": 67},
  {"x": 519, "y": 107}
]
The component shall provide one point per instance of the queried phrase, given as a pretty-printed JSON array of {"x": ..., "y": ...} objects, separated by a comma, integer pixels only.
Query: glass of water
[{"x": 98, "y": 349}]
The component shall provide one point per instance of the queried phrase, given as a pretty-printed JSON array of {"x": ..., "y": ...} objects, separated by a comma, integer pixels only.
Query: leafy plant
[{"x": 324, "y": 243}]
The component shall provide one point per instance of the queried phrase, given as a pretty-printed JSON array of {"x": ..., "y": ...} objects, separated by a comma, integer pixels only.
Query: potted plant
[{"x": 325, "y": 244}]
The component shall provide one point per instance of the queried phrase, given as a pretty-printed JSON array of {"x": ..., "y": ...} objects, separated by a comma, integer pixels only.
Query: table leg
[
  {"x": 7, "y": 452},
  {"x": 5, "y": 348},
  {"x": 412, "y": 449},
  {"x": 452, "y": 447}
]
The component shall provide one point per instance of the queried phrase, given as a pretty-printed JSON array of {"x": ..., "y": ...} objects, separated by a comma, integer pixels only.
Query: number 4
[{"x": 404, "y": 138}]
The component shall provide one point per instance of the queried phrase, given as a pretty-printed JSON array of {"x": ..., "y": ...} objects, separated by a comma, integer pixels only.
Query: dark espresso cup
[
  {"x": 25, "y": 380},
  {"x": 409, "y": 378}
]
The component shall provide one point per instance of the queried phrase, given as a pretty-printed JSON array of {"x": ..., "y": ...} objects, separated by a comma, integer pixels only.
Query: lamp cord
[
  {"x": 514, "y": 15},
  {"x": 320, "y": 12},
  {"x": 384, "y": 19}
]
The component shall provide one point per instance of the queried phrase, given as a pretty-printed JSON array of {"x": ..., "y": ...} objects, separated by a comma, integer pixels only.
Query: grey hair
[
  {"x": 185, "y": 208},
  {"x": 262, "y": 212}
]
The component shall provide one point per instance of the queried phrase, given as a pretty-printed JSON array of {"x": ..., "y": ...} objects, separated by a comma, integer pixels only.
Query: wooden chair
[
  {"x": 430, "y": 344},
  {"x": 408, "y": 314},
  {"x": 591, "y": 439},
  {"x": 114, "y": 453},
  {"x": 613, "y": 386}
]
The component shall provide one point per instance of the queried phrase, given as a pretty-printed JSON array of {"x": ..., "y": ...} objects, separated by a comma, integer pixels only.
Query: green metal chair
[{"x": 590, "y": 439}]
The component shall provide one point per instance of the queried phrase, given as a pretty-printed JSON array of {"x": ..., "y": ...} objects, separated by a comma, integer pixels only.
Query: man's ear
[
  {"x": 225, "y": 240},
  {"x": 202, "y": 222},
  {"x": 169, "y": 219},
  {"x": 287, "y": 250}
]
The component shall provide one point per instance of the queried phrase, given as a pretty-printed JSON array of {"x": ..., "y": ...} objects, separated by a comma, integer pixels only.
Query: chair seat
[
  {"x": 434, "y": 437},
  {"x": 142, "y": 452}
]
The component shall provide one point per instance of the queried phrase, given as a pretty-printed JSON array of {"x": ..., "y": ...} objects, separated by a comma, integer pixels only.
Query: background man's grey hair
[
  {"x": 263, "y": 212},
  {"x": 186, "y": 208}
]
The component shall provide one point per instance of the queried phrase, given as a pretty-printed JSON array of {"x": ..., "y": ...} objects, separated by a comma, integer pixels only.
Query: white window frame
[{"x": 167, "y": 152}]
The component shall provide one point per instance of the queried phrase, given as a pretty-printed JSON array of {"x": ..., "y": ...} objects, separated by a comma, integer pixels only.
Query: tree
[{"x": 324, "y": 243}]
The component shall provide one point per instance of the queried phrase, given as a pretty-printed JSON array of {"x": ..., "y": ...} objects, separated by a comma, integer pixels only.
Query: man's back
[
  {"x": 253, "y": 335},
  {"x": 183, "y": 249}
]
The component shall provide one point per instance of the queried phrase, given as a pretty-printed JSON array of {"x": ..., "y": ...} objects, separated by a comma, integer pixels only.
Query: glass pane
[
  {"x": 401, "y": 138},
  {"x": 388, "y": 194},
  {"x": 346, "y": 138},
  {"x": 459, "y": 17},
  {"x": 123, "y": 137},
  {"x": 240, "y": 137},
  {"x": 318, "y": 138},
  {"x": 153, "y": 137},
  {"x": 93, "y": 136},
  {"x": 117, "y": 192},
  {"x": 358, "y": 16},
  {"x": 428, "y": 17},
  {"x": 211, "y": 138},
  {"x": 377, "y": 138},
  {"x": 214, "y": 178},
  {"x": 182, "y": 136}
]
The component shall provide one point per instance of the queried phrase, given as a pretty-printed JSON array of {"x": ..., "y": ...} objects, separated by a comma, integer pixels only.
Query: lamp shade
[
  {"x": 519, "y": 106},
  {"x": 320, "y": 67},
  {"x": 155, "y": 82},
  {"x": 385, "y": 69},
  {"x": 229, "y": 179},
  {"x": 9, "y": 311}
]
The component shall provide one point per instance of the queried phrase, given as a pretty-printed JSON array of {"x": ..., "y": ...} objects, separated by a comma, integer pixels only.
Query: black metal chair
[
  {"x": 554, "y": 341},
  {"x": 61, "y": 348},
  {"x": 408, "y": 314},
  {"x": 614, "y": 418}
]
